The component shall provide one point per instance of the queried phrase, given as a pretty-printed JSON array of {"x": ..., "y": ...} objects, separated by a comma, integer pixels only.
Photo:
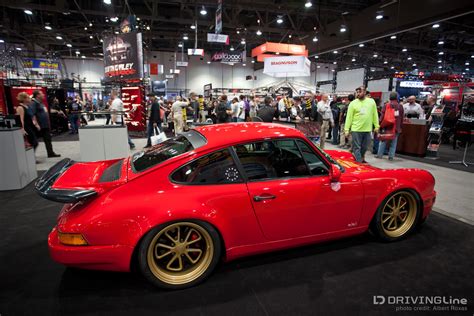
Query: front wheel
[
  {"x": 397, "y": 216},
  {"x": 180, "y": 254}
]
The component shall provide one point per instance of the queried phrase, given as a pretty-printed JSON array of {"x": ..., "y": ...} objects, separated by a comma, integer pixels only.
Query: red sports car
[{"x": 222, "y": 192}]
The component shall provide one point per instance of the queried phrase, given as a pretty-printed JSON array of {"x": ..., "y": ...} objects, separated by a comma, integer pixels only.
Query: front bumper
[
  {"x": 110, "y": 257},
  {"x": 428, "y": 203}
]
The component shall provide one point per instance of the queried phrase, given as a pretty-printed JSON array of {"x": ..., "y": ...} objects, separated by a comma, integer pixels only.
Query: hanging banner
[
  {"x": 287, "y": 66},
  {"x": 219, "y": 17},
  {"x": 123, "y": 57},
  {"x": 228, "y": 57},
  {"x": 218, "y": 38},
  {"x": 182, "y": 64},
  {"x": 159, "y": 87},
  {"x": 270, "y": 47},
  {"x": 195, "y": 52},
  {"x": 41, "y": 64},
  {"x": 154, "y": 69}
]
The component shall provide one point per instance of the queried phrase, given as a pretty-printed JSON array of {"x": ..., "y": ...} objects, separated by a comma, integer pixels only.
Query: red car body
[{"x": 305, "y": 210}]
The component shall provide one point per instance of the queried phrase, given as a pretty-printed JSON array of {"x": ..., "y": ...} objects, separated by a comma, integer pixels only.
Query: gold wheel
[
  {"x": 180, "y": 253},
  {"x": 398, "y": 214}
]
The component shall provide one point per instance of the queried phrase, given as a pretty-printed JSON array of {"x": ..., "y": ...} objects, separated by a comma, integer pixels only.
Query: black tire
[
  {"x": 381, "y": 217},
  {"x": 147, "y": 267}
]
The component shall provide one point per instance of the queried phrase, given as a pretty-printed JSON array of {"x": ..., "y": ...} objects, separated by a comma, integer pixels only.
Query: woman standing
[{"x": 26, "y": 117}]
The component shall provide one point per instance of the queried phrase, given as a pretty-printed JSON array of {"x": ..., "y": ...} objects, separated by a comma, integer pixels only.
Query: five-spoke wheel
[{"x": 180, "y": 254}]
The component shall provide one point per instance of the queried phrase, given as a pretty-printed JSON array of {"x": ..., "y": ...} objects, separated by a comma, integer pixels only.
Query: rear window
[{"x": 166, "y": 150}]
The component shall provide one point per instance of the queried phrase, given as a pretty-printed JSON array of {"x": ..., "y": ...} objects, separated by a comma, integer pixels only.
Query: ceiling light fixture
[
  {"x": 440, "y": 42},
  {"x": 308, "y": 4},
  {"x": 18, "y": 48},
  {"x": 193, "y": 27},
  {"x": 2, "y": 41},
  {"x": 78, "y": 52},
  {"x": 59, "y": 37},
  {"x": 375, "y": 56},
  {"x": 83, "y": 56},
  {"x": 290, "y": 36},
  {"x": 467, "y": 63},
  {"x": 414, "y": 65},
  {"x": 315, "y": 39},
  {"x": 441, "y": 53},
  {"x": 379, "y": 15},
  {"x": 353, "y": 60},
  {"x": 91, "y": 37},
  {"x": 148, "y": 28},
  {"x": 259, "y": 32},
  {"x": 203, "y": 11},
  {"x": 242, "y": 41},
  {"x": 208, "y": 62},
  {"x": 185, "y": 37},
  {"x": 180, "y": 44},
  {"x": 393, "y": 37},
  {"x": 253, "y": 61},
  {"x": 277, "y": 53},
  {"x": 280, "y": 19},
  {"x": 335, "y": 52},
  {"x": 244, "y": 65},
  {"x": 435, "y": 26},
  {"x": 68, "y": 45},
  {"x": 85, "y": 28},
  {"x": 467, "y": 69},
  {"x": 404, "y": 50},
  {"x": 29, "y": 12},
  {"x": 385, "y": 62},
  {"x": 232, "y": 48},
  {"x": 47, "y": 27},
  {"x": 361, "y": 45},
  {"x": 114, "y": 19},
  {"x": 332, "y": 70},
  {"x": 347, "y": 68},
  {"x": 108, "y": 2},
  {"x": 90, "y": 24},
  {"x": 343, "y": 28},
  {"x": 440, "y": 61},
  {"x": 409, "y": 58},
  {"x": 439, "y": 67},
  {"x": 318, "y": 66},
  {"x": 392, "y": 67},
  {"x": 334, "y": 62}
]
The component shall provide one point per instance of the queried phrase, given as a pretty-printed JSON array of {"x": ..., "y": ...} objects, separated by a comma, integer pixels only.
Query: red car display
[{"x": 221, "y": 192}]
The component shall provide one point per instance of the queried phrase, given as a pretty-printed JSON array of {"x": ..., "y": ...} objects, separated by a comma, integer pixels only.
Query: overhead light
[
  {"x": 361, "y": 45},
  {"x": 148, "y": 28},
  {"x": 18, "y": 48},
  {"x": 308, "y": 4},
  {"x": 203, "y": 11},
  {"x": 316, "y": 56},
  {"x": 85, "y": 28},
  {"x": 193, "y": 27},
  {"x": 114, "y": 19},
  {"x": 463, "y": 73},
  {"x": 334, "y": 62},
  {"x": 315, "y": 39},
  {"x": 101, "y": 40},
  {"x": 90, "y": 24},
  {"x": 393, "y": 37},
  {"x": 392, "y": 67},
  {"x": 440, "y": 42},
  {"x": 379, "y": 15},
  {"x": 467, "y": 63},
  {"x": 47, "y": 27},
  {"x": 253, "y": 61},
  {"x": 439, "y": 67},
  {"x": 78, "y": 52},
  {"x": 318, "y": 66},
  {"x": 244, "y": 65},
  {"x": 208, "y": 62},
  {"x": 332, "y": 70},
  {"x": 385, "y": 62},
  {"x": 116, "y": 32},
  {"x": 2, "y": 41},
  {"x": 472, "y": 56},
  {"x": 441, "y": 53},
  {"x": 91, "y": 37},
  {"x": 467, "y": 69},
  {"x": 375, "y": 56},
  {"x": 138, "y": 19},
  {"x": 435, "y": 26},
  {"x": 59, "y": 37},
  {"x": 280, "y": 19},
  {"x": 353, "y": 60},
  {"x": 277, "y": 53},
  {"x": 108, "y": 1},
  {"x": 238, "y": 32},
  {"x": 185, "y": 37},
  {"x": 414, "y": 65},
  {"x": 409, "y": 58},
  {"x": 335, "y": 52},
  {"x": 343, "y": 29},
  {"x": 440, "y": 61},
  {"x": 29, "y": 12},
  {"x": 232, "y": 48},
  {"x": 68, "y": 45},
  {"x": 180, "y": 44},
  {"x": 290, "y": 36},
  {"x": 347, "y": 68},
  {"x": 404, "y": 50},
  {"x": 242, "y": 41},
  {"x": 83, "y": 56},
  {"x": 259, "y": 32},
  {"x": 372, "y": 70}
]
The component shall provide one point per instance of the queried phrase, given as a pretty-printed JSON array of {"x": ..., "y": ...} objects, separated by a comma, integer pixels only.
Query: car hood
[{"x": 347, "y": 160}]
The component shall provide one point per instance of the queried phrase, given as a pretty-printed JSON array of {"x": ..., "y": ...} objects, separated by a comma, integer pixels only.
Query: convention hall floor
[{"x": 334, "y": 278}]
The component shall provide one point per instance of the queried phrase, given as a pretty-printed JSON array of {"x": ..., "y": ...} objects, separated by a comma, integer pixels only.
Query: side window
[
  {"x": 215, "y": 168},
  {"x": 316, "y": 165},
  {"x": 271, "y": 159}
]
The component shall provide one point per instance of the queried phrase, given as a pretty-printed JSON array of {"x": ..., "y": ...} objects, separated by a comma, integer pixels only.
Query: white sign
[
  {"x": 287, "y": 66},
  {"x": 412, "y": 84},
  {"x": 169, "y": 76},
  {"x": 175, "y": 71},
  {"x": 195, "y": 51},
  {"x": 218, "y": 38},
  {"x": 182, "y": 63}
]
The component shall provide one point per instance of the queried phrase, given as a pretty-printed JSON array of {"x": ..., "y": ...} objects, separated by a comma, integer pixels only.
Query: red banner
[
  {"x": 16, "y": 90},
  {"x": 132, "y": 98},
  {"x": 154, "y": 69}
]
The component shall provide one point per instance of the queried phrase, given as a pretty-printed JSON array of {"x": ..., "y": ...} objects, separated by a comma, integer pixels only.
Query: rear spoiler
[{"x": 44, "y": 185}]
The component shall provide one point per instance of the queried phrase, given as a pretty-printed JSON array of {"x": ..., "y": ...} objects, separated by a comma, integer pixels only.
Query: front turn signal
[{"x": 72, "y": 239}]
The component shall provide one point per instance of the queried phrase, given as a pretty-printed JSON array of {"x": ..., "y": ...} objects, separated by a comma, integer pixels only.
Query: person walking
[
  {"x": 26, "y": 118},
  {"x": 40, "y": 112},
  {"x": 178, "y": 111},
  {"x": 361, "y": 119},
  {"x": 398, "y": 111},
  {"x": 345, "y": 142},
  {"x": 325, "y": 111},
  {"x": 154, "y": 119},
  {"x": 74, "y": 108},
  {"x": 116, "y": 107}
]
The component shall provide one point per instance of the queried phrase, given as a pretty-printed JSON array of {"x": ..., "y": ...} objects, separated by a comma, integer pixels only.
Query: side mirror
[{"x": 334, "y": 173}]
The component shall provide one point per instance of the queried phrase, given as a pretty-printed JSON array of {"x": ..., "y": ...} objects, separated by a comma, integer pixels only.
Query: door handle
[{"x": 260, "y": 198}]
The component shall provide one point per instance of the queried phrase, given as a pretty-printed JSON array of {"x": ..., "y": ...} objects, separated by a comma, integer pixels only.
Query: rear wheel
[
  {"x": 180, "y": 254},
  {"x": 397, "y": 216}
]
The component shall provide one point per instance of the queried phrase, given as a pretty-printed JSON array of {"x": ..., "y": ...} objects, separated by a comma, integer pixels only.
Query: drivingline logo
[
  {"x": 420, "y": 300},
  {"x": 284, "y": 62}
]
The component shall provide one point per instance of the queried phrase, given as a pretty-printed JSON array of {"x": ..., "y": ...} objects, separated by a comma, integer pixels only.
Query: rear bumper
[{"x": 110, "y": 257}]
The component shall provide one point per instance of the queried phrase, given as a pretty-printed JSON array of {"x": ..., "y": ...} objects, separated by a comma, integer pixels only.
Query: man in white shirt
[
  {"x": 413, "y": 109},
  {"x": 241, "y": 115},
  {"x": 178, "y": 111},
  {"x": 117, "y": 106},
  {"x": 324, "y": 109}
]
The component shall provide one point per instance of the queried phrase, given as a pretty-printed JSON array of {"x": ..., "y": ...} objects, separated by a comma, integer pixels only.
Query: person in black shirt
[
  {"x": 40, "y": 112},
  {"x": 154, "y": 120},
  {"x": 267, "y": 111}
]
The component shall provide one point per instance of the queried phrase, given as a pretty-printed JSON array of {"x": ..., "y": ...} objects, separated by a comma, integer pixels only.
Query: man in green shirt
[{"x": 361, "y": 118}]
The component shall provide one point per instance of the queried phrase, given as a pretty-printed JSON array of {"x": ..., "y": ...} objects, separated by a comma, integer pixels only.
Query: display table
[
  {"x": 413, "y": 140},
  {"x": 103, "y": 142},
  {"x": 18, "y": 164}
]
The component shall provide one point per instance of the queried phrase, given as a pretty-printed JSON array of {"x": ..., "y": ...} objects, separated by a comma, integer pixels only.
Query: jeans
[
  {"x": 74, "y": 119},
  {"x": 335, "y": 134},
  {"x": 325, "y": 126},
  {"x": 360, "y": 142},
  {"x": 393, "y": 147},
  {"x": 150, "y": 131}
]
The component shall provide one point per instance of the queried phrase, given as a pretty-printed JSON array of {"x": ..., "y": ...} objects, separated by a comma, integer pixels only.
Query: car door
[{"x": 291, "y": 191}]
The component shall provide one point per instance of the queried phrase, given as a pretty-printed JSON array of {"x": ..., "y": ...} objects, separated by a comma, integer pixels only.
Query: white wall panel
[
  {"x": 378, "y": 85},
  {"x": 349, "y": 80},
  {"x": 91, "y": 69}
]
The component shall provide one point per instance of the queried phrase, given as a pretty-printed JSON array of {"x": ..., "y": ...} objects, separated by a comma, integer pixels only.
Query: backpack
[{"x": 389, "y": 116}]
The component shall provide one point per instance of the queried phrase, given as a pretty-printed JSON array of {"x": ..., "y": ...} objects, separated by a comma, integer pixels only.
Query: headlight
[{"x": 71, "y": 239}]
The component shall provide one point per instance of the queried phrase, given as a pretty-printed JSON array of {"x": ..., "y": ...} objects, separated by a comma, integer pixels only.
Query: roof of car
[{"x": 219, "y": 135}]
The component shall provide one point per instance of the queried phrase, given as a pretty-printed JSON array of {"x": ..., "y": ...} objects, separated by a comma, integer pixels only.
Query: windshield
[{"x": 166, "y": 150}]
